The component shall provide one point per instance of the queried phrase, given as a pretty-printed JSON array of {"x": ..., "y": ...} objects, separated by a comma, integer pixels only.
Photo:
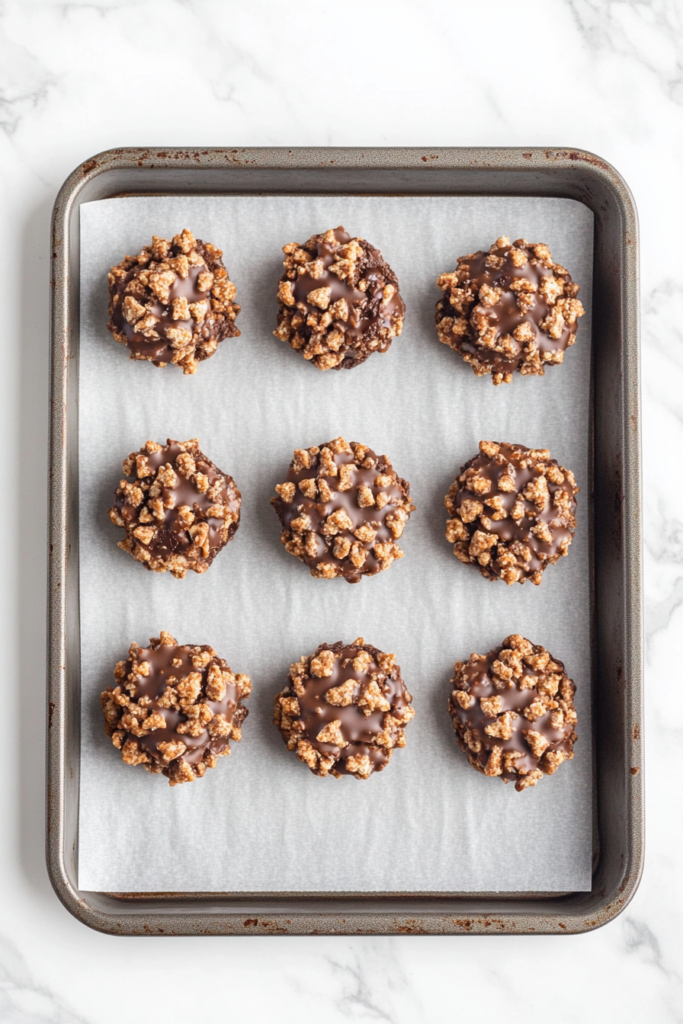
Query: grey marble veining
[{"x": 605, "y": 75}]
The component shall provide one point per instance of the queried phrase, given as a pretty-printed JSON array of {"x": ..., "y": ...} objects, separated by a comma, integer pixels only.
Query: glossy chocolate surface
[
  {"x": 513, "y": 511},
  {"x": 339, "y": 300},
  {"x": 517, "y": 703},
  {"x": 173, "y": 303},
  {"x": 174, "y": 708},
  {"x": 175, "y": 490},
  {"x": 353, "y": 480},
  {"x": 509, "y": 309},
  {"x": 344, "y": 709}
]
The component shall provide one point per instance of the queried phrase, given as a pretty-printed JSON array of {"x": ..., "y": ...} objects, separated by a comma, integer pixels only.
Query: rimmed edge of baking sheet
[{"x": 570, "y": 173}]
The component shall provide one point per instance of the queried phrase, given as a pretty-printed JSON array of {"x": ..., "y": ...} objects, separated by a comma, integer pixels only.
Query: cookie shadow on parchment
[
  {"x": 436, "y": 707},
  {"x": 259, "y": 314}
]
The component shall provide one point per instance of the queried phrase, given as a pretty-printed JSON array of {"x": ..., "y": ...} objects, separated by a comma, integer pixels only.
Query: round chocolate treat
[
  {"x": 342, "y": 509},
  {"x": 508, "y": 309},
  {"x": 338, "y": 300},
  {"x": 174, "y": 708},
  {"x": 344, "y": 709},
  {"x": 173, "y": 302},
  {"x": 512, "y": 512},
  {"x": 178, "y": 510},
  {"x": 513, "y": 712}
]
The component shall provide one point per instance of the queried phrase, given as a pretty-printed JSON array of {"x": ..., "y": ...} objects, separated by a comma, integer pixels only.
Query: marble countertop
[{"x": 80, "y": 77}]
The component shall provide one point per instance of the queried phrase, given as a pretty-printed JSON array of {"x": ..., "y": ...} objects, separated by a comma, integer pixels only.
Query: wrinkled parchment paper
[{"x": 261, "y": 821}]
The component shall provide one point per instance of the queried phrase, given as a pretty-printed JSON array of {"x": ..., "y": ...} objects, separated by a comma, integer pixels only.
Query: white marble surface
[{"x": 76, "y": 78}]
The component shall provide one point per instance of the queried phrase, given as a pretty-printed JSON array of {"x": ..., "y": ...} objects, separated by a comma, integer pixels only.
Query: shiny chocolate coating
[
  {"x": 509, "y": 309},
  {"x": 173, "y": 303},
  {"x": 344, "y": 709},
  {"x": 513, "y": 712},
  {"x": 174, "y": 708},
  {"x": 512, "y": 512},
  {"x": 178, "y": 511},
  {"x": 342, "y": 509},
  {"x": 338, "y": 300}
]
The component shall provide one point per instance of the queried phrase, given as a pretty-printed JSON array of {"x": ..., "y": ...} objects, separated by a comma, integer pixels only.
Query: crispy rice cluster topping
[
  {"x": 342, "y": 509},
  {"x": 509, "y": 309},
  {"x": 178, "y": 510},
  {"x": 513, "y": 712},
  {"x": 173, "y": 302},
  {"x": 344, "y": 709},
  {"x": 338, "y": 300},
  {"x": 174, "y": 708},
  {"x": 512, "y": 512}
]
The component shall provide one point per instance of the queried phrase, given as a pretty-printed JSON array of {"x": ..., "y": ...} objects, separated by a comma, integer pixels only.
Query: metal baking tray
[{"x": 616, "y": 554}]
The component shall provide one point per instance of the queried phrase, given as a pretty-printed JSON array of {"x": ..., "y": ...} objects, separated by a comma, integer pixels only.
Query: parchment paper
[{"x": 260, "y": 820}]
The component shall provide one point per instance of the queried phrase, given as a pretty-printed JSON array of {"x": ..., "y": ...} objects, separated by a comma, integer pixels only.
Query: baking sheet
[{"x": 261, "y": 821}]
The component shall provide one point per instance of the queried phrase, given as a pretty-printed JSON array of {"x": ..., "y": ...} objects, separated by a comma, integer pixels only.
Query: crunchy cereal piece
[
  {"x": 174, "y": 708},
  {"x": 512, "y": 512},
  {"x": 511, "y": 309},
  {"x": 342, "y": 509},
  {"x": 344, "y": 709},
  {"x": 494, "y": 699},
  {"x": 179, "y": 511},
  {"x": 173, "y": 302},
  {"x": 338, "y": 300}
]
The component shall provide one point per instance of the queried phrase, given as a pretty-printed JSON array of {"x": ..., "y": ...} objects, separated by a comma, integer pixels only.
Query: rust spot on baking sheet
[
  {"x": 411, "y": 927},
  {"x": 572, "y": 154},
  {"x": 249, "y": 922},
  {"x": 624, "y": 885},
  {"x": 50, "y": 714},
  {"x": 634, "y": 771},
  {"x": 273, "y": 926},
  {"x": 560, "y": 925},
  {"x": 527, "y": 156},
  {"x": 636, "y": 731},
  {"x": 426, "y": 159},
  {"x": 89, "y": 166}
]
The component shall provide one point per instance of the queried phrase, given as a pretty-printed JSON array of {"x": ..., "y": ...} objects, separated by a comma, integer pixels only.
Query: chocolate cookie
[
  {"x": 509, "y": 309},
  {"x": 342, "y": 509},
  {"x": 338, "y": 300},
  {"x": 174, "y": 708},
  {"x": 513, "y": 712},
  {"x": 178, "y": 511},
  {"x": 344, "y": 709},
  {"x": 173, "y": 302},
  {"x": 512, "y": 512}
]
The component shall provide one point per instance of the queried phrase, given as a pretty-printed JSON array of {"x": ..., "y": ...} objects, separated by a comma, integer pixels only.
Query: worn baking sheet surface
[{"x": 261, "y": 821}]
